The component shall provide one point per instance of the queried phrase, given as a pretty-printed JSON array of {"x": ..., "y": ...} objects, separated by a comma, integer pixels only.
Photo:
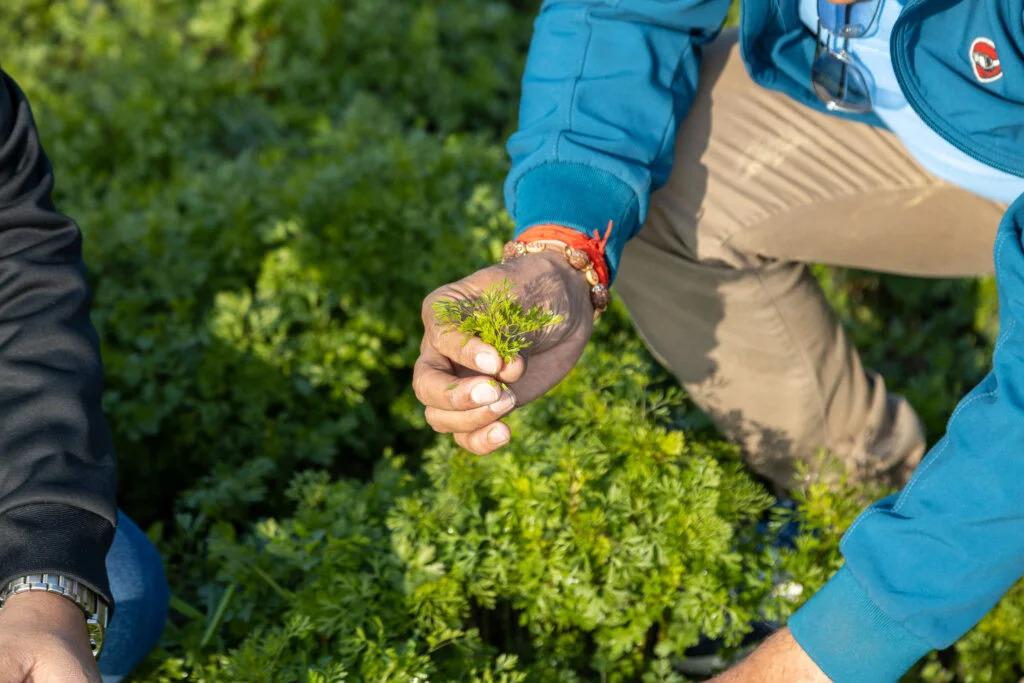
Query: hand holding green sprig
[{"x": 472, "y": 370}]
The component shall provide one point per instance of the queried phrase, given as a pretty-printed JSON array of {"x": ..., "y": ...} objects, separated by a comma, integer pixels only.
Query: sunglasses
[{"x": 837, "y": 80}]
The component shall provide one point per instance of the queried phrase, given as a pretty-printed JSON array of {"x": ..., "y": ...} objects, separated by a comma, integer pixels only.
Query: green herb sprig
[{"x": 497, "y": 317}]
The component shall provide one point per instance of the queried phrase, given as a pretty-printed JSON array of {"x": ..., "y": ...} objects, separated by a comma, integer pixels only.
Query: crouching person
[
  {"x": 78, "y": 580},
  {"x": 872, "y": 134}
]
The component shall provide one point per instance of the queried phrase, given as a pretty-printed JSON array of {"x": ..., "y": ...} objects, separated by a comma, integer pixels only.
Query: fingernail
[
  {"x": 507, "y": 403},
  {"x": 483, "y": 393},
  {"x": 497, "y": 435},
  {"x": 487, "y": 362}
]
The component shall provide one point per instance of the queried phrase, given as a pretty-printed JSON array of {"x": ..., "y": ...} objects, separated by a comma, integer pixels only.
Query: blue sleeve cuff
[
  {"x": 850, "y": 638},
  {"x": 580, "y": 197}
]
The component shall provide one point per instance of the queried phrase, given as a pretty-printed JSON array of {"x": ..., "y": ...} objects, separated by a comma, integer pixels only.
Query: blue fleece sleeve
[
  {"x": 606, "y": 85},
  {"x": 924, "y": 566}
]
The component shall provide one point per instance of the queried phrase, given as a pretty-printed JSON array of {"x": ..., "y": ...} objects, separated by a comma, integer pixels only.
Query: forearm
[
  {"x": 778, "y": 660},
  {"x": 57, "y": 473}
]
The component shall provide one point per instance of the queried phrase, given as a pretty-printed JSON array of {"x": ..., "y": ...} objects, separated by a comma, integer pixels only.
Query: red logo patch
[{"x": 985, "y": 61}]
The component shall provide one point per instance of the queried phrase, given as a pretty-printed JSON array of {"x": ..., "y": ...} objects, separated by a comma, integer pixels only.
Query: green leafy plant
[
  {"x": 497, "y": 317},
  {"x": 261, "y": 335}
]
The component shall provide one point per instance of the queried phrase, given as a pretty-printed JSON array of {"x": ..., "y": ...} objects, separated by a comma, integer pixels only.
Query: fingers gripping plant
[{"x": 497, "y": 317}]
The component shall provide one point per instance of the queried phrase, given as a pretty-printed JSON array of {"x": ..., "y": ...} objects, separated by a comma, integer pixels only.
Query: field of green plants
[{"x": 268, "y": 188}]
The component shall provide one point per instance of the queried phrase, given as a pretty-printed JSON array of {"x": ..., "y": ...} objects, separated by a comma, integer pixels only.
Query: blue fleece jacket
[{"x": 607, "y": 83}]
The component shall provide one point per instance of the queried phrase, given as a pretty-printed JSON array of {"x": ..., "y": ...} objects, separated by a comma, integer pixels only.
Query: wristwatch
[{"x": 96, "y": 610}]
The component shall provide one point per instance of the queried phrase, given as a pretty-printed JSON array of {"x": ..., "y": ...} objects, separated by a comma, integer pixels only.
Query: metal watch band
[{"x": 97, "y": 612}]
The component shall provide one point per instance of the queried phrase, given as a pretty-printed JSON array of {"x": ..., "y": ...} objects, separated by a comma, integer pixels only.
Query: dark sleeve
[{"x": 57, "y": 469}]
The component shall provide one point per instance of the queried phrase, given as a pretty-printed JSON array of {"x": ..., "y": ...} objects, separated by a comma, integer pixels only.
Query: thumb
[{"x": 513, "y": 371}]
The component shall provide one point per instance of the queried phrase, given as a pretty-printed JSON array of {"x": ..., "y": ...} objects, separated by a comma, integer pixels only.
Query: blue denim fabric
[{"x": 141, "y": 596}]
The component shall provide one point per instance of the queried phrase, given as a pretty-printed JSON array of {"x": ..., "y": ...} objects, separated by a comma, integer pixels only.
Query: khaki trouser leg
[{"x": 717, "y": 285}]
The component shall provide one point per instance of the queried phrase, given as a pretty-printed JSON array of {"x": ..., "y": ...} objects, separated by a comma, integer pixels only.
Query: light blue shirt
[{"x": 926, "y": 146}]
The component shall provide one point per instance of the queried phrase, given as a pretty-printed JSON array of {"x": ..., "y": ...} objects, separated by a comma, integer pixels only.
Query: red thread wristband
[
  {"x": 584, "y": 254},
  {"x": 593, "y": 247}
]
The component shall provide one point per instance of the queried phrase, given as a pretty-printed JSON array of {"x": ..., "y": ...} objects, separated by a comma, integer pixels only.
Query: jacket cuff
[
  {"x": 850, "y": 638},
  {"x": 55, "y": 538},
  {"x": 580, "y": 197}
]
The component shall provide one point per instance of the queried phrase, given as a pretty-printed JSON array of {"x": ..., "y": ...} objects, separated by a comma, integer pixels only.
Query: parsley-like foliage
[{"x": 497, "y": 317}]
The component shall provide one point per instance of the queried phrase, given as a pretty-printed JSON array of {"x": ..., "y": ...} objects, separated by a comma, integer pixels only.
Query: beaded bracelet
[{"x": 577, "y": 258}]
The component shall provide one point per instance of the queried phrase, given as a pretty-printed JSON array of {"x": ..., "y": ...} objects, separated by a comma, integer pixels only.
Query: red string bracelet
[
  {"x": 593, "y": 247},
  {"x": 585, "y": 254}
]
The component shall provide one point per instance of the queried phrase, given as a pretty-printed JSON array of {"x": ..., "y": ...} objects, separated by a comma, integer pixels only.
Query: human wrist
[
  {"x": 584, "y": 255},
  {"x": 779, "y": 658},
  {"x": 45, "y": 610},
  {"x": 568, "y": 290},
  {"x": 93, "y": 610}
]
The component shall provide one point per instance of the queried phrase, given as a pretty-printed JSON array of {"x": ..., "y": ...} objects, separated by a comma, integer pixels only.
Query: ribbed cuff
[
  {"x": 850, "y": 638},
  {"x": 579, "y": 197},
  {"x": 55, "y": 538}
]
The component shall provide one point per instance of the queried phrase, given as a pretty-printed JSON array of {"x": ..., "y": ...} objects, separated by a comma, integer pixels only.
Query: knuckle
[
  {"x": 468, "y": 351},
  {"x": 428, "y": 300},
  {"x": 477, "y": 444},
  {"x": 433, "y": 418},
  {"x": 428, "y": 416},
  {"x": 471, "y": 423},
  {"x": 417, "y": 385},
  {"x": 452, "y": 396},
  {"x": 468, "y": 346},
  {"x": 427, "y": 308},
  {"x": 470, "y": 443},
  {"x": 463, "y": 400}
]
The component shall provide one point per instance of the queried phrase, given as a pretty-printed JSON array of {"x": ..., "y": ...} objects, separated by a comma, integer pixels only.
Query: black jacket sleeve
[{"x": 57, "y": 470}]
